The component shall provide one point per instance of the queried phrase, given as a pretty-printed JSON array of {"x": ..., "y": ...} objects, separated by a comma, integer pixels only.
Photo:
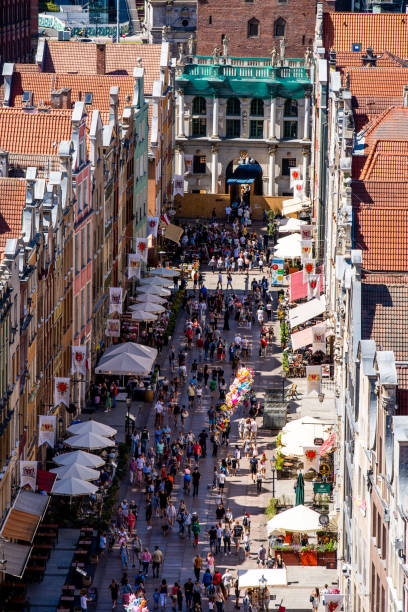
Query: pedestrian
[
  {"x": 114, "y": 589},
  {"x": 237, "y": 534},
  {"x": 315, "y": 599},
  {"x": 102, "y": 544},
  {"x": 229, "y": 280},
  {"x": 207, "y": 579},
  {"x": 227, "y": 539},
  {"x": 188, "y": 593},
  {"x": 136, "y": 550},
  {"x": 146, "y": 557},
  {"x": 197, "y": 564},
  {"x": 196, "y": 481},
  {"x": 156, "y": 599},
  {"x": 149, "y": 512},
  {"x": 212, "y": 534},
  {"x": 157, "y": 560},
  {"x": 163, "y": 594},
  {"x": 219, "y": 599},
  {"x": 221, "y": 482},
  {"x": 261, "y": 555},
  {"x": 227, "y": 581},
  {"x": 259, "y": 482},
  {"x": 84, "y": 600},
  {"x": 124, "y": 557},
  {"x": 195, "y": 528}
]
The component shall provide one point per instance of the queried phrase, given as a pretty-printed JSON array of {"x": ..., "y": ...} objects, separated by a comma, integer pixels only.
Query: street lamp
[
  {"x": 273, "y": 468},
  {"x": 262, "y": 586},
  {"x": 128, "y": 405}
]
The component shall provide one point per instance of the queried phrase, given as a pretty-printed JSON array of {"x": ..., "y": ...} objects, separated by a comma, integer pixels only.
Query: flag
[
  {"x": 314, "y": 378},
  {"x": 178, "y": 185},
  {"x": 173, "y": 232},
  {"x": 164, "y": 219},
  {"x": 142, "y": 248},
  {"x": 112, "y": 328},
  {"x": 309, "y": 267},
  {"x": 46, "y": 430},
  {"x": 313, "y": 286},
  {"x": 306, "y": 251},
  {"x": 28, "y": 474},
  {"x": 311, "y": 459},
  {"x": 277, "y": 271},
  {"x": 78, "y": 360},
  {"x": 306, "y": 232},
  {"x": 152, "y": 226},
  {"x": 294, "y": 175},
  {"x": 61, "y": 391},
  {"x": 115, "y": 299},
  {"x": 188, "y": 163},
  {"x": 133, "y": 265},
  {"x": 298, "y": 190},
  {"x": 319, "y": 339}
]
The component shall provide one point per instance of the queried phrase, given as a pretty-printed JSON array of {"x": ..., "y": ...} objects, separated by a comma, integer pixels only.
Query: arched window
[
  {"x": 199, "y": 106},
  {"x": 291, "y": 108},
  {"x": 257, "y": 107},
  {"x": 279, "y": 27},
  {"x": 253, "y": 28},
  {"x": 233, "y": 107}
]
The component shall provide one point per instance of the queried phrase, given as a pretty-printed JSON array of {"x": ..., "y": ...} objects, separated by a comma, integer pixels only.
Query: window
[
  {"x": 287, "y": 164},
  {"x": 290, "y": 129},
  {"x": 253, "y": 28},
  {"x": 79, "y": 196},
  {"x": 77, "y": 256},
  {"x": 210, "y": 20},
  {"x": 233, "y": 128},
  {"x": 256, "y": 128},
  {"x": 88, "y": 301},
  {"x": 76, "y": 316},
  {"x": 279, "y": 27},
  {"x": 257, "y": 107},
  {"x": 199, "y": 164},
  {"x": 83, "y": 262},
  {"x": 199, "y": 124},
  {"x": 82, "y": 307},
  {"x": 233, "y": 107},
  {"x": 88, "y": 242},
  {"x": 290, "y": 109},
  {"x": 199, "y": 106},
  {"x": 85, "y": 194},
  {"x": 199, "y": 127}
]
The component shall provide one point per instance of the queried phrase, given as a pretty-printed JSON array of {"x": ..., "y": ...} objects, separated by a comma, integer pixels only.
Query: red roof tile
[
  {"x": 12, "y": 202},
  {"x": 120, "y": 59},
  {"x": 380, "y": 193},
  {"x": 40, "y": 133}
]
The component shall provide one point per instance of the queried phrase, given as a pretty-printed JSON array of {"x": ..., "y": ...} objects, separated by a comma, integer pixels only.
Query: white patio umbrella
[
  {"x": 149, "y": 298},
  {"x": 80, "y": 458},
  {"x": 92, "y": 427},
  {"x": 75, "y": 471},
  {"x": 288, "y": 247},
  {"x": 126, "y": 364},
  {"x": 289, "y": 225},
  {"x": 131, "y": 348},
  {"x": 157, "y": 281},
  {"x": 148, "y": 307},
  {"x": 141, "y": 315},
  {"x": 155, "y": 290},
  {"x": 73, "y": 487},
  {"x": 297, "y": 519},
  {"x": 166, "y": 272},
  {"x": 89, "y": 440}
]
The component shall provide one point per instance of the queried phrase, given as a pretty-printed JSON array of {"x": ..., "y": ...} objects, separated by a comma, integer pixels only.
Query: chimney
[
  {"x": 100, "y": 58},
  {"x": 56, "y": 101},
  {"x": 66, "y": 97},
  {"x": 61, "y": 98}
]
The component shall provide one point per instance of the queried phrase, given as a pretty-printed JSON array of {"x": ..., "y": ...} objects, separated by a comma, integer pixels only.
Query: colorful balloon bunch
[
  {"x": 136, "y": 604},
  {"x": 240, "y": 387}
]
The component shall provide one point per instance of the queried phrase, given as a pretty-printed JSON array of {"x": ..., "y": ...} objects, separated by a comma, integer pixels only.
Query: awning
[
  {"x": 251, "y": 578},
  {"x": 24, "y": 517},
  {"x": 305, "y": 337},
  {"x": 298, "y": 289},
  {"x": 289, "y": 207},
  {"x": 173, "y": 232},
  {"x": 288, "y": 247},
  {"x": 245, "y": 174},
  {"x": 240, "y": 181},
  {"x": 327, "y": 445},
  {"x": 17, "y": 556},
  {"x": 305, "y": 312},
  {"x": 45, "y": 480}
]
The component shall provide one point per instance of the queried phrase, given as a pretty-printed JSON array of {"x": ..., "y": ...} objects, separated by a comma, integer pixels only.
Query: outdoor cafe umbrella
[
  {"x": 80, "y": 458},
  {"x": 155, "y": 289},
  {"x": 156, "y": 281},
  {"x": 300, "y": 490},
  {"x": 297, "y": 519},
  {"x": 89, "y": 440},
  {"x": 152, "y": 298},
  {"x": 148, "y": 307},
  {"x": 125, "y": 364},
  {"x": 166, "y": 272},
  {"x": 73, "y": 487},
  {"x": 141, "y": 315},
  {"x": 92, "y": 427},
  {"x": 75, "y": 471}
]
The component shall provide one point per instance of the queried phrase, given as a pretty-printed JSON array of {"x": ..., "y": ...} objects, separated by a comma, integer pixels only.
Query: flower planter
[
  {"x": 308, "y": 557},
  {"x": 325, "y": 557},
  {"x": 290, "y": 557}
]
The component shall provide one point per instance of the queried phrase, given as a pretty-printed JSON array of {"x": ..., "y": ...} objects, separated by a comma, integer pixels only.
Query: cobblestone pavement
[{"x": 240, "y": 492}]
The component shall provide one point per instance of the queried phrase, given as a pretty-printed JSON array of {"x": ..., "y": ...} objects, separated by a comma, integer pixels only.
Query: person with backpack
[
  {"x": 238, "y": 533},
  {"x": 195, "y": 528},
  {"x": 246, "y": 521},
  {"x": 207, "y": 579}
]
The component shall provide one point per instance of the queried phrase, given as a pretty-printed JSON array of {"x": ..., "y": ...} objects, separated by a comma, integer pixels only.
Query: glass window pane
[
  {"x": 256, "y": 128},
  {"x": 233, "y": 128},
  {"x": 290, "y": 129}
]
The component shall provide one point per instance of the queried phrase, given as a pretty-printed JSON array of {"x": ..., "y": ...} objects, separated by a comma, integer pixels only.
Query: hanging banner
[
  {"x": 115, "y": 299},
  {"x": 188, "y": 163},
  {"x": 152, "y": 226},
  {"x": 298, "y": 190},
  {"x": 46, "y": 430},
  {"x": 142, "y": 248},
  {"x": 28, "y": 474},
  {"x": 314, "y": 378},
  {"x": 133, "y": 265},
  {"x": 173, "y": 232},
  {"x": 306, "y": 249},
  {"x": 309, "y": 267},
  {"x": 294, "y": 175},
  {"x": 319, "y": 339},
  {"x": 112, "y": 328},
  {"x": 311, "y": 459},
  {"x": 78, "y": 360},
  {"x": 306, "y": 232},
  {"x": 178, "y": 185},
  {"x": 61, "y": 391},
  {"x": 313, "y": 286},
  {"x": 277, "y": 272}
]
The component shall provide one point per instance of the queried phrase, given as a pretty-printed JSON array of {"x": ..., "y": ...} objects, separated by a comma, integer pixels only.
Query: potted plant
[
  {"x": 288, "y": 554},
  {"x": 308, "y": 555},
  {"x": 327, "y": 553}
]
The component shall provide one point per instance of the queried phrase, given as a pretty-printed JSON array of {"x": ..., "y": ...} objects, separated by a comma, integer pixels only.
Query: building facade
[
  {"x": 173, "y": 23},
  {"x": 18, "y": 28}
]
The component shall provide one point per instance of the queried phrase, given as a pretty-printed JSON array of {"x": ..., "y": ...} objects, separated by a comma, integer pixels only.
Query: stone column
[
  {"x": 180, "y": 95},
  {"x": 305, "y": 167},
  {"x": 215, "y": 118},
  {"x": 271, "y": 169},
  {"x": 214, "y": 168},
  {"x": 179, "y": 162},
  {"x": 272, "y": 121},
  {"x": 306, "y": 125}
]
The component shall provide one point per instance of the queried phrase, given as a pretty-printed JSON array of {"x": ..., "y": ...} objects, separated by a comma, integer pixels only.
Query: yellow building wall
[{"x": 202, "y": 204}]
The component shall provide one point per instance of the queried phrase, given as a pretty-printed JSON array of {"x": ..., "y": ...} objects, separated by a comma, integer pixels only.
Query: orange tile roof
[
  {"x": 381, "y": 31},
  {"x": 383, "y": 194},
  {"x": 120, "y": 59},
  {"x": 391, "y": 125},
  {"x": 387, "y": 161},
  {"x": 12, "y": 202},
  {"x": 27, "y": 132},
  {"x": 376, "y": 83}
]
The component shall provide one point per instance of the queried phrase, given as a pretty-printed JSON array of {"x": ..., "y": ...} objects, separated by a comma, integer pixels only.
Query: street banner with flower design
[
  {"x": 294, "y": 175},
  {"x": 178, "y": 185},
  {"x": 319, "y": 339},
  {"x": 142, "y": 248},
  {"x": 306, "y": 232},
  {"x": 312, "y": 458},
  {"x": 306, "y": 249},
  {"x": 314, "y": 378},
  {"x": 78, "y": 360},
  {"x": 298, "y": 190},
  {"x": 313, "y": 286},
  {"x": 46, "y": 430},
  {"x": 277, "y": 271},
  {"x": 309, "y": 267},
  {"x": 61, "y": 391},
  {"x": 28, "y": 474},
  {"x": 133, "y": 265},
  {"x": 152, "y": 226},
  {"x": 112, "y": 328},
  {"x": 115, "y": 299}
]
